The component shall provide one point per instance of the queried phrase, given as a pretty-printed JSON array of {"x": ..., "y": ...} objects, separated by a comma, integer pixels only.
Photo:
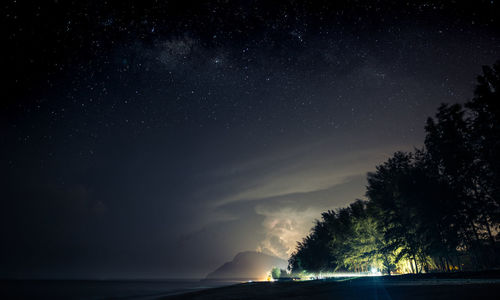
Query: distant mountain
[{"x": 248, "y": 265}]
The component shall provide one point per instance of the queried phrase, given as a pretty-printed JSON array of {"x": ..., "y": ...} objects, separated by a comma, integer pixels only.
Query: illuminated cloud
[
  {"x": 289, "y": 191},
  {"x": 284, "y": 228}
]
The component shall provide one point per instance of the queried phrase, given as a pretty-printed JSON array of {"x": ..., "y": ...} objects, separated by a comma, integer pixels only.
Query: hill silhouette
[{"x": 248, "y": 265}]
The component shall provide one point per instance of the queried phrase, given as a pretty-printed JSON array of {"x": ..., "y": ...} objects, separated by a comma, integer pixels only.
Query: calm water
[{"x": 101, "y": 289}]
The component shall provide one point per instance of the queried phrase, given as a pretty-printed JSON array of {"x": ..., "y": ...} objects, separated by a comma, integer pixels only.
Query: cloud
[
  {"x": 301, "y": 173},
  {"x": 288, "y": 190},
  {"x": 284, "y": 228},
  {"x": 275, "y": 224},
  {"x": 289, "y": 218}
]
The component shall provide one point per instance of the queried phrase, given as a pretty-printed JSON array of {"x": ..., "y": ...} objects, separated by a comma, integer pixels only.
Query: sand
[{"x": 394, "y": 287}]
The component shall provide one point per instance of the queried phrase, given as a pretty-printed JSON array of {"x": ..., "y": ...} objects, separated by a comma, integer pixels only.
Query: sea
[{"x": 102, "y": 289}]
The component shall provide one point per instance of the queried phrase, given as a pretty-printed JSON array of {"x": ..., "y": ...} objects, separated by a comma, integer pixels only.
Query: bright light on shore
[{"x": 373, "y": 272}]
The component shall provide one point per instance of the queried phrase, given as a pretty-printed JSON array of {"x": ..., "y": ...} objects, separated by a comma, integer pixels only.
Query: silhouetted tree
[
  {"x": 485, "y": 138},
  {"x": 313, "y": 253},
  {"x": 433, "y": 208}
]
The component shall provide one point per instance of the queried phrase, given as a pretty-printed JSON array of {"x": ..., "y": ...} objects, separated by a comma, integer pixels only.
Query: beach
[{"x": 384, "y": 287}]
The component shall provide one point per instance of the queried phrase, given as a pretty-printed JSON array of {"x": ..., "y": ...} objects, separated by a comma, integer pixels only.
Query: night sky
[{"x": 159, "y": 139}]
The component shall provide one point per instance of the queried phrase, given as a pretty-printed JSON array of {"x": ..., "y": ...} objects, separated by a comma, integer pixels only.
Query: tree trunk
[
  {"x": 415, "y": 262},
  {"x": 492, "y": 240},
  {"x": 458, "y": 262}
]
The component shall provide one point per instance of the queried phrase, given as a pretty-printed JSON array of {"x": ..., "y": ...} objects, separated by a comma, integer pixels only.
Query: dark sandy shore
[{"x": 407, "y": 288}]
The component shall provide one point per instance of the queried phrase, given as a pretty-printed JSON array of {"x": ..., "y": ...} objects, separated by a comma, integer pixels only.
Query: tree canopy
[{"x": 436, "y": 208}]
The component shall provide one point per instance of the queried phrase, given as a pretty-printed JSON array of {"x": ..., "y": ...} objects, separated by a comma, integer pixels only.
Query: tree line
[{"x": 436, "y": 208}]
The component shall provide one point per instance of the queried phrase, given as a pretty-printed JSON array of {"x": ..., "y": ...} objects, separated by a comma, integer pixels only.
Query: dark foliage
[{"x": 437, "y": 208}]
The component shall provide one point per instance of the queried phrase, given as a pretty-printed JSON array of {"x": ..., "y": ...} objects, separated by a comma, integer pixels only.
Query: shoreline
[{"x": 420, "y": 286}]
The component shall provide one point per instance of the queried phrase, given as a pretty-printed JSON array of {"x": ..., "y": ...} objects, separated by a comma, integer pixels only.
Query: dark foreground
[
  {"x": 101, "y": 289},
  {"x": 395, "y": 287}
]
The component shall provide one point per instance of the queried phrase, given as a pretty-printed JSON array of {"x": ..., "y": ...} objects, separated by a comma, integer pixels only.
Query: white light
[{"x": 374, "y": 270}]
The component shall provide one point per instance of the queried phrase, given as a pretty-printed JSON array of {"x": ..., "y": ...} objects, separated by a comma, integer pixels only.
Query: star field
[{"x": 136, "y": 133}]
